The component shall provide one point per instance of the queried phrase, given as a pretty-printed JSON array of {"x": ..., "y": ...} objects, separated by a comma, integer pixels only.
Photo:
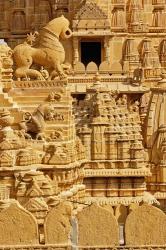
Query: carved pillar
[
  {"x": 3, "y": 23},
  {"x": 135, "y": 16},
  {"x": 139, "y": 186},
  {"x": 111, "y": 144},
  {"x": 7, "y": 7},
  {"x": 130, "y": 55},
  {"x": 76, "y": 50},
  {"x": 156, "y": 63},
  {"x": 163, "y": 53},
  {"x": 118, "y": 17},
  {"x": 19, "y": 22},
  {"x": 123, "y": 148},
  {"x": 158, "y": 18},
  {"x": 130, "y": 50},
  {"x": 147, "y": 53},
  {"x": 161, "y": 175},
  {"x": 98, "y": 141},
  {"x": 37, "y": 20},
  {"x": 85, "y": 135},
  {"x": 137, "y": 154},
  {"x": 112, "y": 187},
  {"x": 99, "y": 187},
  {"x": 163, "y": 165},
  {"x": 19, "y": 3},
  {"x": 126, "y": 187},
  {"x": 45, "y": 11},
  {"x": 107, "y": 48}
]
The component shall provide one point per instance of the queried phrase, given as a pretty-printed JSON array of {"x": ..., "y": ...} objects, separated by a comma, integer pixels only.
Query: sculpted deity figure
[{"x": 47, "y": 51}]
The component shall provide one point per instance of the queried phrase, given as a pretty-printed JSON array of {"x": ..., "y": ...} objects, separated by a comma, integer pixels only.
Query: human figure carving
[{"x": 48, "y": 51}]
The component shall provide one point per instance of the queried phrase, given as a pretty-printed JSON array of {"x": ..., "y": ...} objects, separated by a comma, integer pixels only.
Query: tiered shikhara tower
[{"x": 104, "y": 124}]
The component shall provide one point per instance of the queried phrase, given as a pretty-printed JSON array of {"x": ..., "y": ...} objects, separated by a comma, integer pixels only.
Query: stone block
[
  {"x": 97, "y": 227},
  {"x": 57, "y": 227},
  {"x": 17, "y": 226},
  {"x": 146, "y": 225}
]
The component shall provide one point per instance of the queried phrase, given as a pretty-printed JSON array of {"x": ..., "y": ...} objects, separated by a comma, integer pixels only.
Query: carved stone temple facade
[{"x": 83, "y": 124}]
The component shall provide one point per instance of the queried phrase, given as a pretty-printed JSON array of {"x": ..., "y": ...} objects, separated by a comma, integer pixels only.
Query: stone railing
[{"x": 80, "y": 84}]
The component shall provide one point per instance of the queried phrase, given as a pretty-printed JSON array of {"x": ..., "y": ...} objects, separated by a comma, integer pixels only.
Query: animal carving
[
  {"x": 47, "y": 52},
  {"x": 34, "y": 123}
]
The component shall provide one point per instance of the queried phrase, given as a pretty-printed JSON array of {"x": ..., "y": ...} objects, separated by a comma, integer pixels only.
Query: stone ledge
[
  {"x": 69, "y": 247},
  {"x": 115, "y": 201},
  {"x": 116, "y": 172}
]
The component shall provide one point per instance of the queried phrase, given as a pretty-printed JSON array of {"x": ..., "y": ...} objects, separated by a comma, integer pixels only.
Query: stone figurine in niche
[{"x": 48, "y": 52}]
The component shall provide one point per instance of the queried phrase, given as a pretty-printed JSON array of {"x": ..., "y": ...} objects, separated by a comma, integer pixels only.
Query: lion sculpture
[{"x": 47, "y": 52}]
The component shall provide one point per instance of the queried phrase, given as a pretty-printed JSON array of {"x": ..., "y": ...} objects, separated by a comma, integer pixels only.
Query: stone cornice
[{"x": 117, "y": 172}]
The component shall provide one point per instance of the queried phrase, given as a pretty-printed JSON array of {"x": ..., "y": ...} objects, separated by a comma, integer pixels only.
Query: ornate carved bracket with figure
[{"x": 48, "y": 51}]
